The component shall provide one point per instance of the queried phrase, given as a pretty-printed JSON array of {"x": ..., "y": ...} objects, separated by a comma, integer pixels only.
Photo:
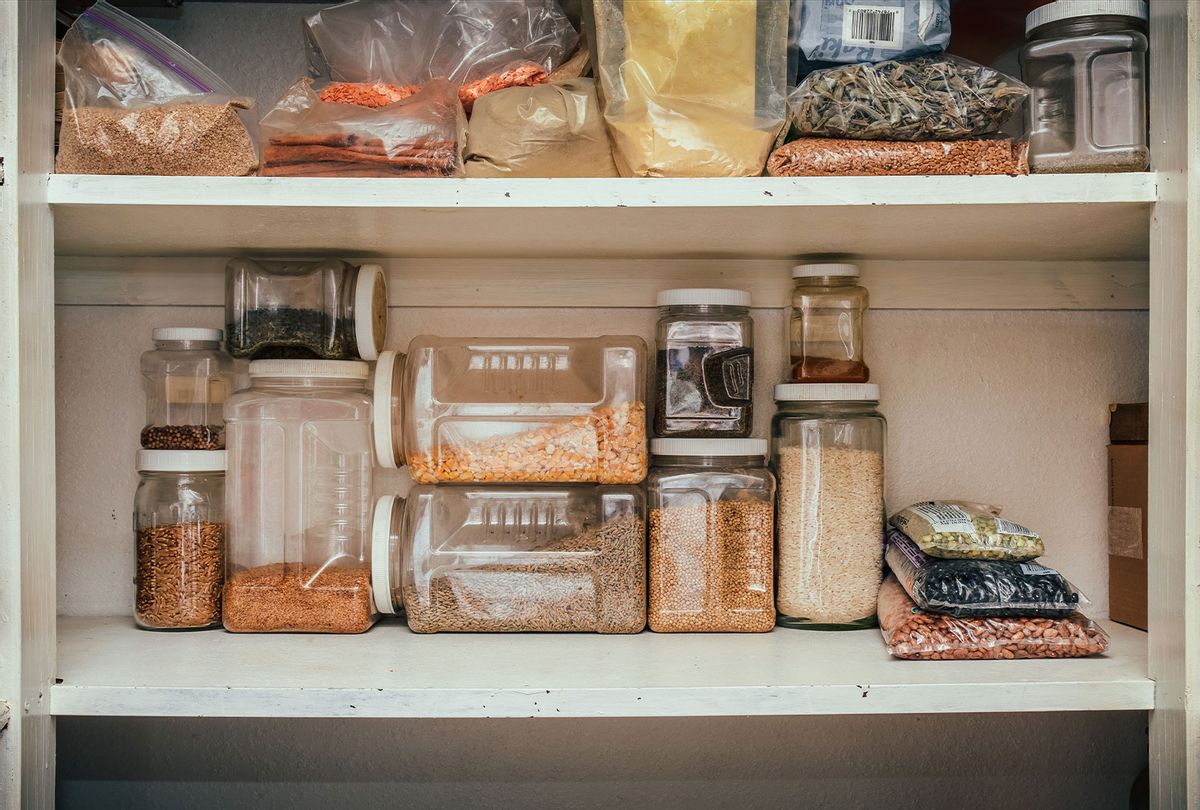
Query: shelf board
[
  {"x": 1042, "y": 217},
  {"x": 108, "y": 667}
]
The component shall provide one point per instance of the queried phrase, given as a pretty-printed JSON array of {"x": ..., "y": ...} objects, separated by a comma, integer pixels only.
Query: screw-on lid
[
  {"x": 186, "y": 333},
  {"x": 708, "y": 447},
  {"x": 827, "y": 392},
  {"x": 386, "y": 404},
  {"x": 381, "y": 553},
  {"x": 327, "y": 369},
  {"x": 826, "y": 269},
  {"x": 703, "y": 296},
  {"x": 1066, "y": 9},
  {"x": 181, "y": 460},
  {"x": 370, "y": 310}
]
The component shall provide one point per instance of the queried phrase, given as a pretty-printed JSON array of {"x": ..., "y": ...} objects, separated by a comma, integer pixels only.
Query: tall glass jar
[
  {"x": 328, "y": 310},
  {"x": 704, "y": 375},
  {"x": 299, "y": 445},
  {"x": 712, "y": 536},
  {"x": 826, "y": 324},
  {"x": 186, "y": 378},
  {"x": 179, "y": 525},
  {"x": 1085, "y": 64},
  {"x": 828, "y": 446}
]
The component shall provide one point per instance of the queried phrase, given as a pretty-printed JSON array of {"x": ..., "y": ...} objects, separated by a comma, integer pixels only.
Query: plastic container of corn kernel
[{"x": 514, "y": 410}]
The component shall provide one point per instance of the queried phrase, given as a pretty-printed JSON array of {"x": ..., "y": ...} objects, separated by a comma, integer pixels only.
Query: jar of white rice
[{"x": 827, "y": 448}]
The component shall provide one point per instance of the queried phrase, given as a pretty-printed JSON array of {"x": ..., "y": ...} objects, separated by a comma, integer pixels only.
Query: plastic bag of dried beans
[
  {"x": 960, "y": 530},
  {"x": 137, "y": 103},
  {"x": 479, "y": 46},
  {"x": 978, "y": 587},
  {"x": 910, "y": 632},
  {"x": 837, "y": 157}
]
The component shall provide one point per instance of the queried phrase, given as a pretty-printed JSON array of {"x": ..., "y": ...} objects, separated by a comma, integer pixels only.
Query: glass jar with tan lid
[{"x": 826, "y": 324}]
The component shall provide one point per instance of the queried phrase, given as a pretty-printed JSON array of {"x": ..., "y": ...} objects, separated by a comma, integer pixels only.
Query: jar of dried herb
[
  {"x": 186, "y": 378},
  {"x": 826, "y": 332},
  {"x": 329, "y": 310}
]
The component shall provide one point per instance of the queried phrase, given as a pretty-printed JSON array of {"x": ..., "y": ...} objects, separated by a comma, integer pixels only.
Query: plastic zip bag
[
  {"x": 137, "y": 103},
  {"x": 692, "y": 89},
  {"x": 978, "y": 587},
  {"x": 929, "y": 98},
  {"x": 909, "y": 632},
  {"x": 479, "y": 46},
  {"x": 840, "y": 157},
  {"x": 959, "y": 530}
]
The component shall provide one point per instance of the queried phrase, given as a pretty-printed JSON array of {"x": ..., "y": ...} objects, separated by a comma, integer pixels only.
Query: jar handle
[{"x": 728, "y": 377}]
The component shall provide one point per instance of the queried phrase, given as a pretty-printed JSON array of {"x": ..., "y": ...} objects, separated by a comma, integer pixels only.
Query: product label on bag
[
  {"x": 873, "y": 26},
  {"x": 944, "y": 518},
  {"x": 1008, "y": 527}
]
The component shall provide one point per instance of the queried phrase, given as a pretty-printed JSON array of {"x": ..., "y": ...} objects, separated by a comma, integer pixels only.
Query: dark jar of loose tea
[
  {"x": 826, "y": 329},
  {"x": 329, "y": 310},
  {"x": 704, "y": 371},
  {"x": 179, "y": 526},
  {"x": 186, "y": 378}
]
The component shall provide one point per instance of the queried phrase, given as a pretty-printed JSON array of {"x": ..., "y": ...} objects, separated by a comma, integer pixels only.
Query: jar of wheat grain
[{"x": 827, "y": 448}]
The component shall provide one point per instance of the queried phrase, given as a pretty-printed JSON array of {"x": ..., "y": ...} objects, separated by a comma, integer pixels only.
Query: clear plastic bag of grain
[
  {"x": 910, "y": 632},
  {"x": 842, "y": 157},
  {"x": 137, "y": 103},
  {"x": 962, "y": 530}
]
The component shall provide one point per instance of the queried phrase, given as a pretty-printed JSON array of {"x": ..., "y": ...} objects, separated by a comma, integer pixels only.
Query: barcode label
[{"x": 876, "y": 26}]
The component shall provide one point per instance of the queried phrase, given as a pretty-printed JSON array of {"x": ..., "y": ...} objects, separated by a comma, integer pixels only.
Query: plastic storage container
[
  {"x": 826, "y": 330},
  {"x": 712, "y": 536},
  {"x": 179, "y": 524},
  {"x": 512, "y": 559},
  {"x": 1085, "y": 64},
  {"x": 186, "y": 378},
  {"x": 705, "y": 365},
  {"x": 299, "y": 499},
  {"x": 328, "y": 310},
  {"x": 828, "y": 445},
  {"x": 477, "y": 410}
]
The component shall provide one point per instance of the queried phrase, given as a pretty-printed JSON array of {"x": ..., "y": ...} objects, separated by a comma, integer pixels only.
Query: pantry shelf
[
  {"x": 1043, "y": 217},
  {"x": 108, "y": 667}
]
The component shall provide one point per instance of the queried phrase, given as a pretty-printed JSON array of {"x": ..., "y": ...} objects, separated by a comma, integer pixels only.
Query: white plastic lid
[
  {"x": 186, "y": 333},
  {"x": 1066, "y": 9},
  {"x": 181, "y": 460},
  {"x": 370, "y": 310},
  {"x": 708, "y": 447},
  {"x": 826, "y": 269},
  {"x": 703, "y": 296},
  {"x": 827, "y": 392},
  {"x": 386, "y": 368},
  {"x": 381, "y": 554},
  {"x": 327, "y": 369}
]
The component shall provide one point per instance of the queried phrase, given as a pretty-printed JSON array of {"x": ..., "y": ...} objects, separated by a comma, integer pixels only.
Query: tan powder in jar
[{"x": 294, "y": 598}]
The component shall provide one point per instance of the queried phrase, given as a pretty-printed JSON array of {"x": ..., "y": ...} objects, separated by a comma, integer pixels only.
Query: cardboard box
[{"x": 1127, "y": 497}]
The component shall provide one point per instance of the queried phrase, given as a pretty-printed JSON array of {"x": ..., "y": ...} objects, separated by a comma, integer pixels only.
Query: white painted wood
[
  {"x": 1174, "y": 507},
  {"x": 27, "y": 509},
  {"x": 108, "y": 667},
  {"x": 1044, "y": 217},
  {"x": 3, "y": 715},
  {"x": 595, "y": 283}
]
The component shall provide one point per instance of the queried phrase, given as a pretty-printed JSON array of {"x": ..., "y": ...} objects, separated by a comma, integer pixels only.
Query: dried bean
[{"x": 184, "y": 437}]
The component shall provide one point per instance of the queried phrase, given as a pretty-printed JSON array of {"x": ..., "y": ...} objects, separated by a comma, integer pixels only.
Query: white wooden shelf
[
  {"x": 108, "y": 667},
  {"x": 1042, "y": 217}
]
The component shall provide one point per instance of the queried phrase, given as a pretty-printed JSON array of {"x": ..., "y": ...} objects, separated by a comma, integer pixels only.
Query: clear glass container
[
  {"x": 712, "y": 536},
  {"x": 704, "y": 371},
  {"x": 299, "y": 447},
  {"x": 179, "y": 528},
  {"x": 513, "y": 558},
  {"x": 1085, "y": 64},
  {"x": 828, "y": 446},
  {"x": 481, "y": 410},
  {"x": 826, "y": 324},
  {"x": 186, "y": 378},
  {"x": 328, "y": 310}
]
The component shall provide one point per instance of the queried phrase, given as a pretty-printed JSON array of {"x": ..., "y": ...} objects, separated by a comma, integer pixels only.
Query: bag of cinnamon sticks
[{"x": 418, "y": 135}]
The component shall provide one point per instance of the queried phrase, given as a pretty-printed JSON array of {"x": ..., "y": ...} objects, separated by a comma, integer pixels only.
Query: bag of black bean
[{"x": 978, "y": 587}]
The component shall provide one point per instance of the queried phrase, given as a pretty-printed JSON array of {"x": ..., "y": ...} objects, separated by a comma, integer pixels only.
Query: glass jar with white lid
[{"x": 186, "y": 378}]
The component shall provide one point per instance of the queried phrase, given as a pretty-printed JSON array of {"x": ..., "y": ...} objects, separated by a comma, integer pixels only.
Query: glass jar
[
  {"x": 328, "y": 310},
  {"x": 513, "y": 558},
  {"x": 704, "y": 369},
  {"x": 186, "y": 378},
  {"x": 826, "y": 324},
  {"x": 1085, "y": 64},
  {"x": 712, "y": 536},
  {"x": 828, "y": 446},
  {"x": 299, "y": 499},
  {"x": 485, "y": 410},
  {"x": 179, "y": 526}
]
